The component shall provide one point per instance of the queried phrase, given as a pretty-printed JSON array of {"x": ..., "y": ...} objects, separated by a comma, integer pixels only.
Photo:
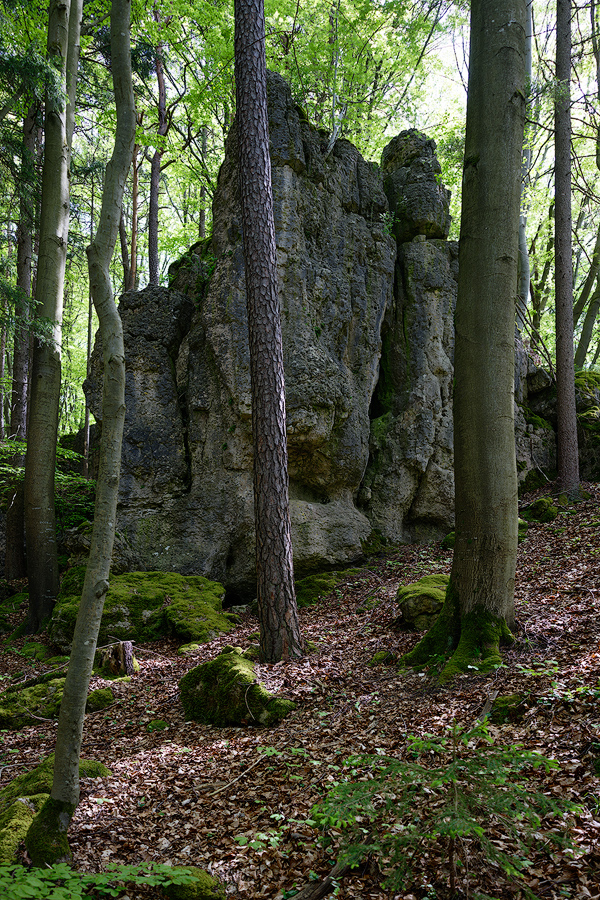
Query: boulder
[
  {"x": 143, "y": 606},
  {"x": 26, "y": 706},
  {"x": 225, "y": 691},
  {"x": 421, "y": 602},
  {"x": 22, "y": 798}
]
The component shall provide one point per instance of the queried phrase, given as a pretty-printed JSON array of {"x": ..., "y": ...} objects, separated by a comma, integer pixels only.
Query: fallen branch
[{"x": 319, "y": 889}]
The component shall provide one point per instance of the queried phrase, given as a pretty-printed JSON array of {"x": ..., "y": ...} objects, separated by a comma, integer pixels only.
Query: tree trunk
[
  {"x": 588, "y": 327},
  {"x": 568, "y": 451},
  {"x": 47, "y": 838},
  {"x": 133, "y": 278},
  {"x": 524, "y": 275},
  {"x": 479, "y": 607},
  {"x": 153, "y": 261},
  {"x": 63, "y": 45},
  {"x": 280, "y": 635}
]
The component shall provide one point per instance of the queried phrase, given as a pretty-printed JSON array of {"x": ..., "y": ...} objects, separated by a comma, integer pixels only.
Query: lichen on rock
[{"x": 225, "y": 691}]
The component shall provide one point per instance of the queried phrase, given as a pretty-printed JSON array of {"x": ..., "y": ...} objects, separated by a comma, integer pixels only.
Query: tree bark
[
  {"x": 280, "y": 635},
  {"x": 47, "y": 838},
  {"x": 524, "y": 271},
  {"x": 568, "y": 450},
  {"x": 153, "y": 260},
  {"x": 42, "y": 566},
  {"x": 479, "y": 606}
]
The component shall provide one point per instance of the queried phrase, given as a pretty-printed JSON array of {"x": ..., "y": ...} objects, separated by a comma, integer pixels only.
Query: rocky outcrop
[{"x": 368, "y": 287}]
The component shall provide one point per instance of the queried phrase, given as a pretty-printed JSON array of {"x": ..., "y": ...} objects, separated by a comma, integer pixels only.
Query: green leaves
[
  {"x": 460, "y": 788},
  {"x": 60, "y": 882}
]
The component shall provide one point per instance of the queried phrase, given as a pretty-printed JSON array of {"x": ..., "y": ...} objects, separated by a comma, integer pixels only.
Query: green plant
[
  {"x": 454, "y": 790},
  {"x": 60, "y": 882}
]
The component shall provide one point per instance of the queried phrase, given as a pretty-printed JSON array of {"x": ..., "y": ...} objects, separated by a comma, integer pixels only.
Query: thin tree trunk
[
  {"x": 63, "y": 44},
  {"x": 124, "y": 252},
  {"x": 280, "y": 635},
  {"x": 568, "y": 453},
  {"x": 132, "y": 283},
  {"x": 588, "y": 327},
  {"x": 47, "y": 838},
  {"x": 153, "y": 260},
  {"x": 524, "y": 268}
]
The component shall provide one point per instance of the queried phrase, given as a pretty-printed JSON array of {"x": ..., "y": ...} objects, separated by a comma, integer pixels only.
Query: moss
[
  {"x": 253, "y": 652},
  {"x": 204, "y": 887},
  {"x": 14, "y": 825},
  {"x": 507, "y": 709},
  {"x": 422, "y": 601},
  {"x": 144, "y": 606},
  {"x": 481, "y": 634},
  {"x": 17, "y": 708},
  {"x": 314, "y": 587},
  {"x": 157, "y": 725},
  {"x": 536, "y": 421},
  {"x": 99, "y": 699},
  {"x": 449, "y": 541},
  {"x": 46, "y": 839},
  {"x": 375, "y": 544},
  {"x": 33, "y": 650},
  {"x": 383, "y": 658},
  {"x": 224, "y": 691},
  {"x": 541, "y": 510},
  {"x": 187, "y": 648},
  {"x": 534, "y": 480},
  {"x": 39, "y": 780}
]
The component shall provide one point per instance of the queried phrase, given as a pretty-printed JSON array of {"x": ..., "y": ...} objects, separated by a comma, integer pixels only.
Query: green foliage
[
  {"x": 458, "y": 790},
  {"x": 60, "y": 882}
]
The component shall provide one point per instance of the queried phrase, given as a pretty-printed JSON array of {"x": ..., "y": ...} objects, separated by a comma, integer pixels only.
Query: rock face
[{"x": 368, "y": 288}]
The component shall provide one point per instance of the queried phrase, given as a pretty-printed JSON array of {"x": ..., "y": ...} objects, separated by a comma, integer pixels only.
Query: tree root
[{"x": 46, "y": 840}]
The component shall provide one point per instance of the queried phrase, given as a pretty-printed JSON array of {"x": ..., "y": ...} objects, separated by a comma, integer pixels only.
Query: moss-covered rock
[
  {"x": 508, "y": 708},
  {"x": 23, "y": 797},
  {"x": 35, "y": 650},
  {"x": 224, "y": 691},
  {"x": 449, "y": 541},
  {"x": 14, "y": 825},
  {"x": 157, "y": 725},
  {"x": 99, "y": 699},
  {"x": 541, "y": 510},
  {"x": 39, "y": 780},
  {"x": 383, "y": 658},
  {"x": 314, "y": 587},
  {"x": 143, "y": 606},
  {"x": 204, "y": 887},
  {"x": 421, "y": 602},
  {"x": 185, "y": 649},
  {"x": 18, "y": 708}
]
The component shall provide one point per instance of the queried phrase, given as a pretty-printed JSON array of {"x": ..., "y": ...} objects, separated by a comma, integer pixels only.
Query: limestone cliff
[{"x": 367, "y": 287}]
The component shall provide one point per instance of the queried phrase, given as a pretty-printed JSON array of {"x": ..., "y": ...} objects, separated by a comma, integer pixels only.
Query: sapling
[{"x": 458, "y": 790}]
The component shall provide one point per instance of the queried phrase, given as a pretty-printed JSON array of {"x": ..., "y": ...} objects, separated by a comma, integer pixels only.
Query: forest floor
[{"x": 198, "y": 795}]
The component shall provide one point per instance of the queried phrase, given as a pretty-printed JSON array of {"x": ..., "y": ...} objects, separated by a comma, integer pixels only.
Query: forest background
[{"x": 360, "y": 70}]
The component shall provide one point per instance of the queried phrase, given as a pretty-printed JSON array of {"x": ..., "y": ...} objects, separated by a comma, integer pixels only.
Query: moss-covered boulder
[
  {"x": 204, "y": 887},
  {"x": 19, "y": 708},
  {"x": 507, "y": 708},
  {"x": 541, "y": 510},
  {"x": 225, "y": 691},
  {"x": 421, "y": 602},
  {"x": 143, "y": 606},
  {"x": 314, "y": 587},
  {"x": 99, "y": 699},
  {"x": 23, "y": 797}
]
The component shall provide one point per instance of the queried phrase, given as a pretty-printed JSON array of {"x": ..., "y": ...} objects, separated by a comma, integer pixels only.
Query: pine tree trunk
[
  {"x": 63, "y": 44},
  {"x": 153, "y": 260},
  {"x": 280, "y": 635},
  {"x": 47, "y": 838}
]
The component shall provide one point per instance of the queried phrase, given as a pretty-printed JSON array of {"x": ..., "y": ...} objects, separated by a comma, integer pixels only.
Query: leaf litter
[{"x": 237, "y": 801}]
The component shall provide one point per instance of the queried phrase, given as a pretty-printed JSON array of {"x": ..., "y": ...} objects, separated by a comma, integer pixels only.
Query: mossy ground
[
  {"x": 314, "y": 587},
  {"x": 143, "y": 606},
  {"x": 18, "y": 708},
  {"x": 224, "y": 691}
]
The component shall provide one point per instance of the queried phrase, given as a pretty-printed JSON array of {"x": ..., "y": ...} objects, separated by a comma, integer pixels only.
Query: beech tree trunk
[
  {"x": 42, "y": 567},
  {"x": 280, "y": 635},
  {"x": 568, "y": 449},
  {"x": 479, "y": 607},
  {"x": 47, "y": 837}
]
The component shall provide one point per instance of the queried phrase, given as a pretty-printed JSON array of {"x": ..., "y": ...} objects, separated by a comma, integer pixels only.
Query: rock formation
[{"x": 367, "y": 287}]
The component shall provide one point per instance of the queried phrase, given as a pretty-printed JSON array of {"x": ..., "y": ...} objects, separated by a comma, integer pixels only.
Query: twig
[
  {"x": 245, "y": 772},
  {"x": 320, "y": 889},
  {"x": 246, "y": 702},
  {"x": 488, "y": 706}
]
